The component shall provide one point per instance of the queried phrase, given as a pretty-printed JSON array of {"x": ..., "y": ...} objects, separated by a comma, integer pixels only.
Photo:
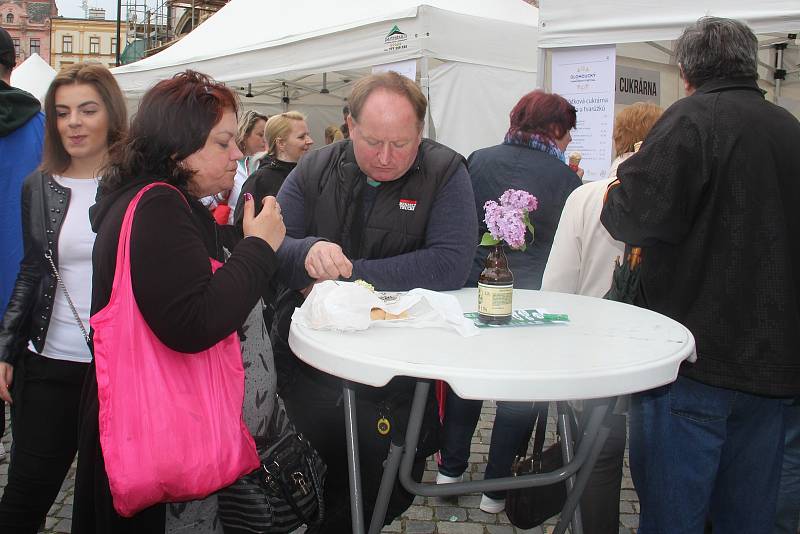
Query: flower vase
[{"x": 495, "y": 288}]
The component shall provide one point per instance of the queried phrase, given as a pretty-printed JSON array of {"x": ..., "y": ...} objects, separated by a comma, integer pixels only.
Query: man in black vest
[{"x": 388, "y": 207}]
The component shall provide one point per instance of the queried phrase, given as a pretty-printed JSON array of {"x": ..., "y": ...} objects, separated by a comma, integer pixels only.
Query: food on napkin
[
  {"x": 347, "y": 306},
  {"x": 379, "y": 314}
]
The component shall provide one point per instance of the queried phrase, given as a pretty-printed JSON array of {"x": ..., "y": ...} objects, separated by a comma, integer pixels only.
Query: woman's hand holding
[
  {"x": 268, "y": 224},
  {"x": 6, "y": 377}
]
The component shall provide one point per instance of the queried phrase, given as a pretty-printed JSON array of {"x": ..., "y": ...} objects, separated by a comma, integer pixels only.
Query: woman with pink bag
[{"x": 162, "y": 407}]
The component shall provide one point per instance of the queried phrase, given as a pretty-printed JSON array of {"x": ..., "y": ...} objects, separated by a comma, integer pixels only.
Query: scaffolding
[{"x": 152, "y": 25}]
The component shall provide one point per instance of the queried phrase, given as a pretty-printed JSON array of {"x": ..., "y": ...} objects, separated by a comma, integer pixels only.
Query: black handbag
[
  {"x": 529, "y": 507},
  {"x": 284, "y": 493}
]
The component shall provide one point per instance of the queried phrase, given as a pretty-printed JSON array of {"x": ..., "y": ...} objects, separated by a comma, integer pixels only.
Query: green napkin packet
[{"x": 522, "y": 318}]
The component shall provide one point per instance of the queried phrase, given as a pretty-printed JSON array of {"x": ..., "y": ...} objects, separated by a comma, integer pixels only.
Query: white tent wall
[
  {"x": 591, "y": 22},
  {"x": 254, "y": 46},
  {"x": 466, "y": 120},
  {"x": 33, "y": 75}
]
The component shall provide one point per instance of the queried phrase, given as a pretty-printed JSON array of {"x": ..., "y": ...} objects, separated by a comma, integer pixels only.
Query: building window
[
  {"x": 16, "y": 45},
  {"x": 10, "y": 18},
  {"x": 94, "y": 45},
  {"x": 113, "y": 45},
  {"x": 66, "y": 44},
  {"x": 35, "y": 46}
]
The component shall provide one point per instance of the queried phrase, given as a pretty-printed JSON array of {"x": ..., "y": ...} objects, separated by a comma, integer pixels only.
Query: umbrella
[{"x": 625, "y": 281}]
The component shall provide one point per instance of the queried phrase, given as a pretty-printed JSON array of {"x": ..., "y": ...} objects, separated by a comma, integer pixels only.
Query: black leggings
[{"x": 44, "y": 420}]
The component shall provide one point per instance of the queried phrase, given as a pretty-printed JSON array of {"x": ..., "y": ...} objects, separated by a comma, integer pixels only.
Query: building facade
[
  {"x": 77, "y": 40},
  {"x": 28, "y": 23}
]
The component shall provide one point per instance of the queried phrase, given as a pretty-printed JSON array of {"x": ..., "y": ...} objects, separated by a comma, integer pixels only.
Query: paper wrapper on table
[{"x": 346, "y": 306}]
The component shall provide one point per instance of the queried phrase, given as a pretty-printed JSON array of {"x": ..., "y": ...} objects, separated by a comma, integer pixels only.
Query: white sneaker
[
  {"x": 492, "y": 506},
  {"x": 444, "y": 479}
]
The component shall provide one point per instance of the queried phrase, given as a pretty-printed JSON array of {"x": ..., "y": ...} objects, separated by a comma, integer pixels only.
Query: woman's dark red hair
[
  {"x": 547, "y": 115},
  {"x": 174, "y": 120}
]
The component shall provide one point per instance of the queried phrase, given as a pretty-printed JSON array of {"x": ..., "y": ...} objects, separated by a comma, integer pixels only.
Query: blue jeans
[
  {"x": 787, "y": 520},
  {"x": 699, "y": 451},
  {"x": 511, "y": 424}
]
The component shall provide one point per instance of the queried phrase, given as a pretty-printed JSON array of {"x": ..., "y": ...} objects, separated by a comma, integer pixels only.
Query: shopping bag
[{"x": 171, "y": 425}]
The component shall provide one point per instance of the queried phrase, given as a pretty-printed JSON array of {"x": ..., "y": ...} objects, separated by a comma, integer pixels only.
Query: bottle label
[{"x": 495, "y": 301}]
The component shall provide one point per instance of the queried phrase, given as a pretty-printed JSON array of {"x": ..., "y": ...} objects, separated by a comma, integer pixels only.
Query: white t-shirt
[
  {"x": 75, "y": 242},
  {"x": 582, "y": 257}
]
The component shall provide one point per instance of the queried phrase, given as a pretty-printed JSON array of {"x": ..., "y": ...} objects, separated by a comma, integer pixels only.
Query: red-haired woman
[
  {"x": 530, "y": 158},
  {"x": 184, "y": 134}
]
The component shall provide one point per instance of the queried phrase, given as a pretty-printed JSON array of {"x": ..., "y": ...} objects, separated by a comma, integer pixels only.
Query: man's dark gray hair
[{"x": 717, "y": 48}]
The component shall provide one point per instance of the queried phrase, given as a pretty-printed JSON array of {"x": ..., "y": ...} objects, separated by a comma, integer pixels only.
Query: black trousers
[
  {"x": 44, "y": 418},
  {"x": 314, "y": 405},
  {"x": 600, "y": 499}
]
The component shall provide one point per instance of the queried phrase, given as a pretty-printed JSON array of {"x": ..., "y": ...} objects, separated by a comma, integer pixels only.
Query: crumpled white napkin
[{"x": 346, "y": 306}]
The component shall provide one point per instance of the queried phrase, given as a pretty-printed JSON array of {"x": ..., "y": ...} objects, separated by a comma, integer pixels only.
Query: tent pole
[
  {"x": 424, "y": 83},
  {"x": 541, "y": 67},
  {"x": 780, "y": 72}
]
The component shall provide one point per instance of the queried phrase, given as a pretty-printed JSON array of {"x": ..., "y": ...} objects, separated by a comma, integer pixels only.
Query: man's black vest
[{"x": 333, "y": 188}]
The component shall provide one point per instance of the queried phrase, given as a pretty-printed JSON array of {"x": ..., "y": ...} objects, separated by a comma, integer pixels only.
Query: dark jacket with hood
[
  {"x": 712, "y": 198},
  {"x": 21, "y": 140}
]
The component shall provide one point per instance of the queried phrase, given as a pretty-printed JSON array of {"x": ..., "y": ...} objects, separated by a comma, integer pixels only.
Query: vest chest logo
[{"x": 407, "y": 204}]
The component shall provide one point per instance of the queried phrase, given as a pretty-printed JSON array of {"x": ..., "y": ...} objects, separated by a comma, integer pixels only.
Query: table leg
[
  {"x": 599, "y": 413},
  {"x": 388, "y": 478},
  {"x": 567, "y": 453},
  {"x": 356, "y": 504}
]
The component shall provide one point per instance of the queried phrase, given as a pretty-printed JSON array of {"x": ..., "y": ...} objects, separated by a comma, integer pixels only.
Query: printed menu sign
[{"x": 585, "y": 76}]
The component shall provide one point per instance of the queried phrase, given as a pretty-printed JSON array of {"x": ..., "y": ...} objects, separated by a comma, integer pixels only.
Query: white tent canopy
[
  {"x": 276, "y": 51},
  {"x": 33, "y": 75},
  {"x": 593, "y": 22}
]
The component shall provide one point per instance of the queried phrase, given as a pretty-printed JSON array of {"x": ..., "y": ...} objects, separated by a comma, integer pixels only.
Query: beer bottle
[{"x": 495, "y": 288}]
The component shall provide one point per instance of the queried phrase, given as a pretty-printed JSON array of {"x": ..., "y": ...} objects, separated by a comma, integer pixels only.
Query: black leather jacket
[{"x": 44, "y": 206}]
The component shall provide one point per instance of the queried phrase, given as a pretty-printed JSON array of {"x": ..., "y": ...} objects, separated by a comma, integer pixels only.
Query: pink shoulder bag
[{"x": 171, "y": 425}]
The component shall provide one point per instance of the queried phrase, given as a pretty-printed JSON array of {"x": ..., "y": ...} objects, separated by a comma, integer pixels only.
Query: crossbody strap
[{"x": 48, "y": 255}]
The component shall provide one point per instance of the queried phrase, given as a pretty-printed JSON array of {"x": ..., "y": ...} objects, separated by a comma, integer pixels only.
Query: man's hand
[
  {"x": 326, "y": 261},
  {"x": 6, "y": 377}
]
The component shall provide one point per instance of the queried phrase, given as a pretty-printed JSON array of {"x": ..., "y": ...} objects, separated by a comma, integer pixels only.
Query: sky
[{"x": 73, "y": 9}]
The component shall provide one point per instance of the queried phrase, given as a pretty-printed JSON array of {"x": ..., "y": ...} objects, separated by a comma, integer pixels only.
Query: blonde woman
[
  {"x": 287, "y": 140},
  {"x": 333, "y": 134}
]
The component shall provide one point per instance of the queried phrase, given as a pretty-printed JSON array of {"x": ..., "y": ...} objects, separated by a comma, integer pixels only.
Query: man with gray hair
[{"x": 712, "y": 198}]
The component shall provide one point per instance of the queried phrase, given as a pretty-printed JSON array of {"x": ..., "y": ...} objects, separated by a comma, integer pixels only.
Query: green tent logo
[{"x": 394, "y": 38}]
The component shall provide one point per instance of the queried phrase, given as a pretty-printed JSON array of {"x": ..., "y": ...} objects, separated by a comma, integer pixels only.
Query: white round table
[{"x": 606, "y": 349}]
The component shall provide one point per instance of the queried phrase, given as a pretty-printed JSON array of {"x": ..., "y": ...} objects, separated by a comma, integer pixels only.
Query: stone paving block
[
  {"x": 628, "y": 495},
  {"x": 500, "y": 529},
  {"x": 394, "y": 526},
  {"x": 458, "y": 528},
  {"x": 419, "y": 513},
  {"x": 469, "y": 501},
  {"x": 429, "y": 476},
  {"x": 479, "y": 516},
  {"x": 420, "y": 527},
  {"x": 626, "y": 507},
  {"x": 50, "y": 522},
  {"x": 629, "y": 520},
  {"x": 65, "y": 512},
  {"x": 65, "y": 525},
  {"x": 450, "y": 513}
]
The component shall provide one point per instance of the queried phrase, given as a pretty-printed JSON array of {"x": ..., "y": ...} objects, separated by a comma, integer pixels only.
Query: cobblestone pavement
[{"x": 428, "y": 515}]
